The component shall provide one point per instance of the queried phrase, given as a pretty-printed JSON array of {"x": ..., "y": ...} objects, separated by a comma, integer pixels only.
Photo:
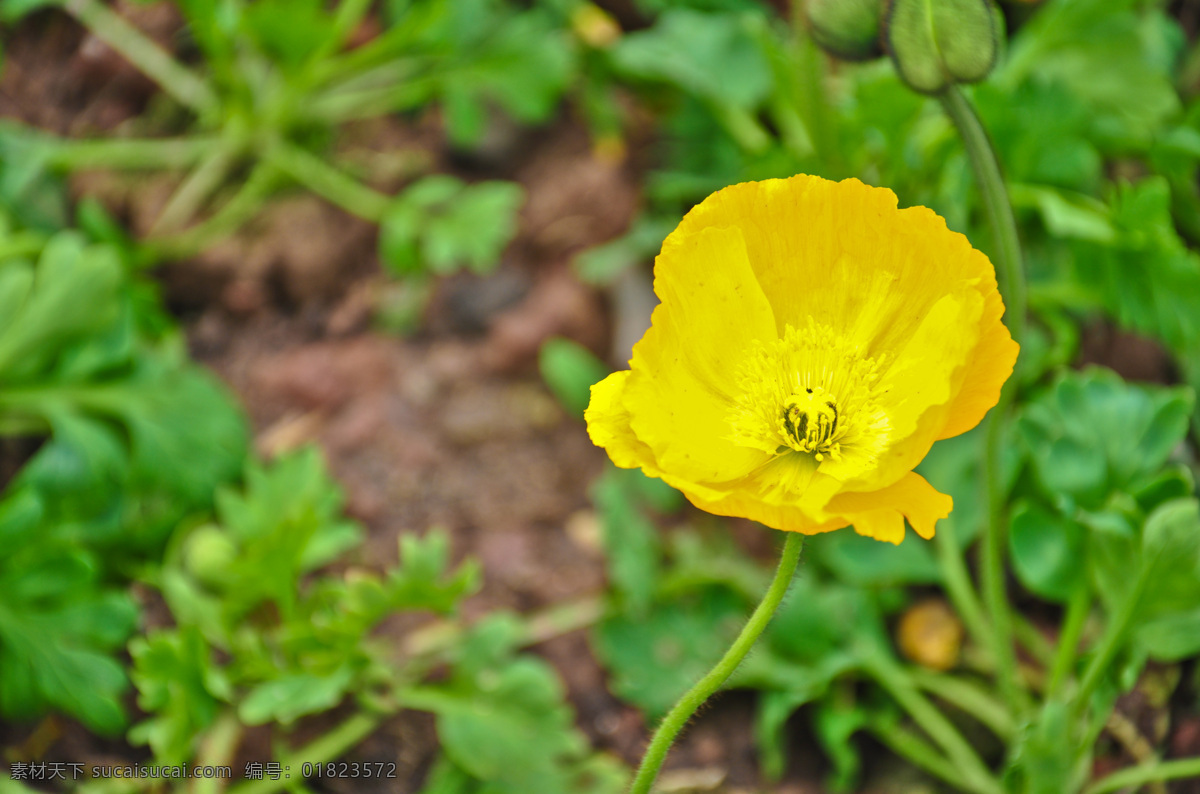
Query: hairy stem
[{"x": 673, "y": 723}]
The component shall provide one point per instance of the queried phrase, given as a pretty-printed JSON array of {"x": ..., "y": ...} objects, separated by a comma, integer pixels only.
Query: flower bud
[
  {"x": 208, "y": 553},
  {"x": 936, "y": 43},
  {"x": 847, "y": 29}
]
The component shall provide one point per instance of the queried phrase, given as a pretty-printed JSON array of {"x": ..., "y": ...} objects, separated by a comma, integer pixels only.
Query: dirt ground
[{"x": 450, "y": 427}]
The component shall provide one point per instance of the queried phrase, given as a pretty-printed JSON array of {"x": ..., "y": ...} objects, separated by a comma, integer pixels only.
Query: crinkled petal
[
  {"x": 880, "y": 514},
  {"x": 608, "y": 425},
  {"x": 990, "y": 365},
  {"x": 683, "y": 382}
]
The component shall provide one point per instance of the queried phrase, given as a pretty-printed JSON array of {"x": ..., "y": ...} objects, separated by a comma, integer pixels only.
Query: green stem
[
  {"x": 1110, "y": 643},
  {"x": 131, "y": 153},
  {"x": 195, "y": 189},
  {"x": 181, "y": 83},
  {"x": 1146, "y": 773},
  {"x": 218, "y": 749},
  {"x": 969, "y": 698},
  {"x": 329, "y": 746},
  {"x": 920, "y": 753},
  {"x": 1012, "y": 274},
  {"x": 1078, "y": 609},
  {"x": 1031, "y": 639},
  {"x": 996, "y": 204},
  {"x": 958, "y": 584},
  {"x": 328, "y": 182},
  {"x": 673, "y": 723},
  {"x": 900, "y": 686},
  {"x": 225, "y": 221}
]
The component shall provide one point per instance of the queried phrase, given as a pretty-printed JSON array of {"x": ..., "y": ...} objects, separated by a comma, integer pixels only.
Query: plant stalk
[
  {"x": 673, "y": 723},
  {"x": 919, "y": 753},
  {"x": 904, "y": 691},
  {"x": 969, "y": 698},
  {"x": 328, "y": 182},
  {"x": 959, "y": 586},
  {"x": 1068, "y": 640},
  {"x": 330, "y": 746},
  {"x": 131, "y": 153},
  {"x": 1136, "y": 776},
  {"x": 181, "y": 83},
  {"x": 1008, "y": 255},
  {"x": 1110, "y": 643}
]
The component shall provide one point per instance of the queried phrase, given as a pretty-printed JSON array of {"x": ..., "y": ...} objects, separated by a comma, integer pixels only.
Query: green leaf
[
  {"x": 441, "y": 225},
  {"x": 521, "y": 61},
  {"x": 1066, "y": 214},
  {"x": 1147, "y": 278},
  {"x": 604, "y": 264},
  {"x": 654, "y": 658},
  {"x": 73, "y": 294},
  {"x": 1114, "y": 57},
  {"x": 713, "y": 56},
  {"x": 1072, "y": 460},
  {"x": 59, "y": 625},
  {"x": 180, "y": 687},
  {"x": 423, "y": 581},
  {"x": 1171, "y": 560},
  {"x": 504, "y": 720},
  {"x": 285, "y": 522},
  {"x": 835, "y": 726},
  {"x": 290, "y": 697},
  {"x": 1046, "y": 550},
  {"x": 570, "y": 370},
  {"x": 867, "y": 562},
  {"x": 289, "y": 32},
  {"x": 936, "y": 43},
  {"x": 631, "y": 542}
]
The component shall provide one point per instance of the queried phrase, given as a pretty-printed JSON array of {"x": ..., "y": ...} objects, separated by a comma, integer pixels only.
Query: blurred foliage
[{"x": 125, "y": 436}]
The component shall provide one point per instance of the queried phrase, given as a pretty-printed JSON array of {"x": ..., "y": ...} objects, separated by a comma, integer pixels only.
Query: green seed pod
[
  {"x": 847, "y": 29},
  {"x": 936, "y": 43}
]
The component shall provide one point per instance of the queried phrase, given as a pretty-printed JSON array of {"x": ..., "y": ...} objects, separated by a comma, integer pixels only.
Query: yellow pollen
[{"x": 812, "y": 392}]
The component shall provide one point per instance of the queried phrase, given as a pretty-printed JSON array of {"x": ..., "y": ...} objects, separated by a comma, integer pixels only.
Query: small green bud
[
  {"x": 847, "y": 29},
  {"x": 936, "y": 43},
  {"x": 208, "y": 551}
]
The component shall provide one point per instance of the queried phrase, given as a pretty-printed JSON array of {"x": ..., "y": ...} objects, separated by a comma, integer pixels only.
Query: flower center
[
  {"x": 810, "y": 423},
  {"x": 814, "y": 393}
]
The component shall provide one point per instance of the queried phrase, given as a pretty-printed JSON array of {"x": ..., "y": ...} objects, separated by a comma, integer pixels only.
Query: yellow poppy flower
[{"x": 811, "y": 344}]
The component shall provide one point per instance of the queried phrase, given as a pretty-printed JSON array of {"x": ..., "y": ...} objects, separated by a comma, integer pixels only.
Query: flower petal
[
  {"x": 880, "y": 514},
  {"x": 680, "y": 393},
  {"x": 608, "y": 425},
  {"x": 990, "y": 365}
]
